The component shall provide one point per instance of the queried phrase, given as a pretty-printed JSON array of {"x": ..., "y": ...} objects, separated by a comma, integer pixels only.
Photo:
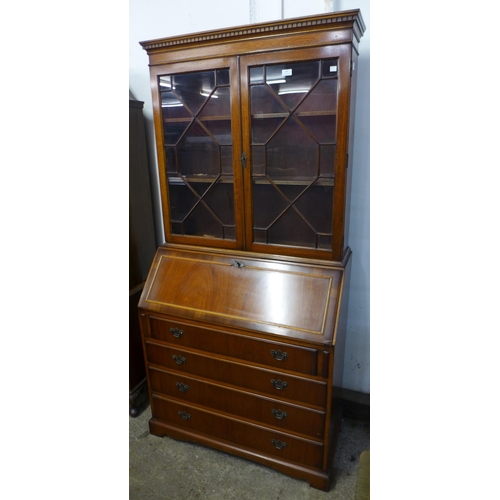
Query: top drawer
[{"x": 274, "y": 354}]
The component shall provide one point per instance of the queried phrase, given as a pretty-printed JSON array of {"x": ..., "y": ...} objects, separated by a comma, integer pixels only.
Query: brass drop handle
[
  {"x": 279, "y": 355},
  {"x": 179, "y": 359},
  {"x": 184, "y": 415},
  {"x": 280, "y": 415},
  {"x": 278, "y": 384},
  {"x": 176, "y": 332},
  {"x": 278, "y": 444},
  {"x": 182, "y": 387}
]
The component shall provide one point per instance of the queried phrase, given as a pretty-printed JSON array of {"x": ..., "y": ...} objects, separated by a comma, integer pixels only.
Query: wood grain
[{"x": 244, "y": 340}]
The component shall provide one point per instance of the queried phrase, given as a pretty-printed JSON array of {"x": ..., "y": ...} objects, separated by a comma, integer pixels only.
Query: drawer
[
  {"x": 275, "y": 354},
  {"x": 268, "y": 441},
  {"x": 278, "y": 414},
  {"x": 277, "y": 385}
]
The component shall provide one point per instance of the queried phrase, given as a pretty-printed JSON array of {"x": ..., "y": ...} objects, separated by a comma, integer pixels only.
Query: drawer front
[
  {"x": 264, "y": 410},
  {"x": 263, "y": 440},
  {"x": 275, "y": 354},
  {"x": 277, "y": 385}
]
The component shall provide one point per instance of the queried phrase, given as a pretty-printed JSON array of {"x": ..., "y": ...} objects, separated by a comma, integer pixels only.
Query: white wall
[
  {"x": 151, "y": 19},
  {"x": 357, "y": 356}
]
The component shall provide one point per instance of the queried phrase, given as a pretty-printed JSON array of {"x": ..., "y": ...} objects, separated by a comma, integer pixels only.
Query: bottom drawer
[{"x": 264, "y": 440}]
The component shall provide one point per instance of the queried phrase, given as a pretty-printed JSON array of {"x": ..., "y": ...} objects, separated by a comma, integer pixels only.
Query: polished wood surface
[
  {"x": 343, "y": 58},
  {"x": 281, "y": 298},
  {"x": 179, "y": 68},
  {"x": 256, "y": 408},
  {"x": 279, "y": 355},
  {"x": 289, "y": 387},
  {"x": 316, "y": 477},
  {"x": 243, "y": 313},
  {"x": 333, "y": 35},
  {"x": 230, "y": 429},
  {"x": 339, "y": 27},
  {"x": 227, "y": 378}
]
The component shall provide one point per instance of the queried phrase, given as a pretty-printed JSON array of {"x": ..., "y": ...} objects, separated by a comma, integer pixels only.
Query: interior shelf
[{"x": 300, "y": 113}]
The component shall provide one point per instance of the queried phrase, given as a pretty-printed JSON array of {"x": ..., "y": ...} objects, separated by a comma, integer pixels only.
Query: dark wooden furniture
[
  {"x": 243, "y": 312},
  {"x": 142, "y": 247}
]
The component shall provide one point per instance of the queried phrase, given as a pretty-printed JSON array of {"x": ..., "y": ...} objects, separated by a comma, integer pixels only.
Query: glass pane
[
  {"x": 291, "y": 191},
  {"x": 220, "y": 130},
  {"x": 330, "y": 67},
  {"x": 176, "y": 117},
  {"x": 218, "y": 105},
  {"x": 327, "y": 161},
  {"x": 177, "y": 227},
  {"x": 323, "y": 128},
  {"x": 325, "y": 241},
  {"x": 322, "y": 99},
  {"x": 292, "y": 153},
  {"x": 202, "y": 222},
  {"x": 196, "y": 110},
  {"x": 173, "y": 130},
  {"x": 165, "y": 82},
  {"x": 223, "y": 77},
  {"x": 182, "y": 199},
  {"x": 226, "y": 154},
  {"x": 229, "y": 233},
  {"x": 262, "y": 130},
  {"x": 267, "y": 113},
  {"x": 292, "y": 81},
  {"x": 193, "y": 89},
  {"x": 201, "y": 186},
  {"x": 257, "y": 74},
  {"x": 258, "y": 160},
  {"x": 197, "y": 153},
  {"x": 171, "y": 160},
  {"x": 260, "y": 236},
  {"x": 318, "y": 195},
  {"x": 268, "y": 203},
  {"x": 264, "y": 102},
  {"x": 220, "y": 199},
  {"x": 290, "y": 229},
  {"x": 172, "y": 107}
]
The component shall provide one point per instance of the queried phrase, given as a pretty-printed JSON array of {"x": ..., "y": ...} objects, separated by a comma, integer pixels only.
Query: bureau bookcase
[{"x": 243, "y": 312}]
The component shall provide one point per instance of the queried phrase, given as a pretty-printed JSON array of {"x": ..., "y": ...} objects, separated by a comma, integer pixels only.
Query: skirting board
[{"x": 356, "y": 405}]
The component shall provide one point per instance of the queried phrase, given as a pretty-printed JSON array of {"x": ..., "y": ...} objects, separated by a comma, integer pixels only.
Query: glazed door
[
  {"x": 294, "y": 111},
  {"x": 198, "y": 140}
]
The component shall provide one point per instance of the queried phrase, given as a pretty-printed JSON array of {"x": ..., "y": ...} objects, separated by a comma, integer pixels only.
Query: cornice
[{"x": 337, "y": 20}]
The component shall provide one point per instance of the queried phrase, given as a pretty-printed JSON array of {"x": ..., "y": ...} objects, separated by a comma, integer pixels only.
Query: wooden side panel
[{"x": 352, "y": 111}]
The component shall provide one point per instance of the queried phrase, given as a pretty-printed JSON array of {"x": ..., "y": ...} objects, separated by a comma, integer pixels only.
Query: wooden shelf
[
  {"x": 325, "y": 181},
  {"x": 301, "y": 113},
  {"x": 320, "y": 181},
  {"x": 180, "y": 180},
  {"x": 202, "y": 119}
]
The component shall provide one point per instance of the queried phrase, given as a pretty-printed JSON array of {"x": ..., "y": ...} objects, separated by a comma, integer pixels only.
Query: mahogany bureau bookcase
[{"x": 244, "y": 309}]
